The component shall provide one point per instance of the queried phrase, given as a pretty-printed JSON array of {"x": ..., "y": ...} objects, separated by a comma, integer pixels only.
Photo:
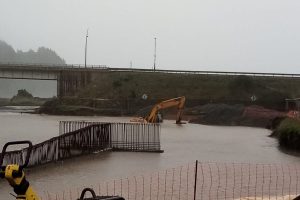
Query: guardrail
[{"x": 52, "y": 66}]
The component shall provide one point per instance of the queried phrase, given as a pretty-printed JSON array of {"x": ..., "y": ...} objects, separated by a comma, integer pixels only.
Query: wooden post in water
[{"x": 195, "y": 184}]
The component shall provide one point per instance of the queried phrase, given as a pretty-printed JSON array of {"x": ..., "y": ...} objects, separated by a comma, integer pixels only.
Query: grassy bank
[
  {"x": 34, "y": 101},
  {"x": 199, "y": 89},
  {"x": 210, "y": 99},
  {"x": 125, "y": 90},
  {"x": 288, "y": 133}
]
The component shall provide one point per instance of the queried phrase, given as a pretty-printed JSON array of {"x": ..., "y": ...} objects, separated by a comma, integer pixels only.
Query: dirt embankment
[
  {"x": 234, "y": 115},
  {"x": 210, "y": 114}
]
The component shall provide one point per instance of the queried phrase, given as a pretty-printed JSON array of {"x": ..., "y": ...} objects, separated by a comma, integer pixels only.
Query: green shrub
[
  {"x": 288, "y": 133},
  {"x": 24, "y": 93}
]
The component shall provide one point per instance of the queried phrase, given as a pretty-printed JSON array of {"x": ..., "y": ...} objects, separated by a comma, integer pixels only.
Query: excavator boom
[{"x": 175, "y": 102}]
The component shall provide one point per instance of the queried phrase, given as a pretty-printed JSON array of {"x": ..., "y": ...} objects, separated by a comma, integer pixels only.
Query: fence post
[{"x": 195, "y": 184}]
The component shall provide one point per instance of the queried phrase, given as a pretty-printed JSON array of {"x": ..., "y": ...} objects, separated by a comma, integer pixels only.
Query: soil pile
[
  {"x": 259, "y": 116},
  {"x": 235, "y": 115},
  {"x": 218, "y": 114}
]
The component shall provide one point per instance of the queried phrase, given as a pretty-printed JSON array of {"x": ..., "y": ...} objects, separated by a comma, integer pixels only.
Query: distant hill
[{"x": 42, "y": 56}]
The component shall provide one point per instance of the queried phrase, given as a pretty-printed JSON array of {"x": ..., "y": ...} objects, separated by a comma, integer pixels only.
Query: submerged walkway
[{"x": 79, "y": 138}]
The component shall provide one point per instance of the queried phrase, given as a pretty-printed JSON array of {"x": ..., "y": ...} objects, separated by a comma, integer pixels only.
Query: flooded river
[{"x": 182, "y": 144}]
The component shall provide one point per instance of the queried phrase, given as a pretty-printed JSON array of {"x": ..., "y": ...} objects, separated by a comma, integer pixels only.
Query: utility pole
[
  {"x": 154, "y": 66},
  {"x": 130, "y": 64},
  {"x": 86, "y": 39}
]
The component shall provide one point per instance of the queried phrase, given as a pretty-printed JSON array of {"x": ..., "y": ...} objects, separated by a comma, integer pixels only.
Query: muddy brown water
[{"x": 182, "y": 144}]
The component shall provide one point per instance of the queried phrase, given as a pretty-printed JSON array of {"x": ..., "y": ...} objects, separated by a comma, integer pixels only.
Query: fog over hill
[{"x": 43, "y": 55}]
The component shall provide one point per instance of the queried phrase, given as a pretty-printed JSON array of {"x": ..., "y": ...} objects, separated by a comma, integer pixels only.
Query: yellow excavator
[
  {"x": 154, "y": 116},
  {"x": 14, "y": 174}
]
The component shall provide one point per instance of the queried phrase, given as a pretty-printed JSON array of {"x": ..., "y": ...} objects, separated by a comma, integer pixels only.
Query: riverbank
[
  {"x": 19, "y": 109},
  {"x": 286, "y": 130}
]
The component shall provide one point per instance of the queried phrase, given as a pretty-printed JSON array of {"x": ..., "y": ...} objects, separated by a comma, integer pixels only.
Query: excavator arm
[
  {"x": 176, "y": 102},
  {"x": 15, "y": 175}
]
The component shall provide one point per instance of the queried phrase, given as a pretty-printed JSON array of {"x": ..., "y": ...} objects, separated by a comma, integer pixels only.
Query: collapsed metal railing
[
  {"x": 87, "y": 137},
  {"x": 123, "y": 136}
]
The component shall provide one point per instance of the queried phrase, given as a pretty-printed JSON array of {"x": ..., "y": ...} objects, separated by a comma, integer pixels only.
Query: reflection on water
[
  {"x": 17, "y": 109},
  {"x": 182, "y": 144}
]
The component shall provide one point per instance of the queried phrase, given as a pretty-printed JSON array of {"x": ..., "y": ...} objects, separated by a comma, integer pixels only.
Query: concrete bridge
[
  {"x": 69, "y": 77},
  {"x": 72, "y": 77}
]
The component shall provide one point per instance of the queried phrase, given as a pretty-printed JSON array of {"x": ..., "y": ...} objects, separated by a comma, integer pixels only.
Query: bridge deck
[{"x": 44, "y": 68}]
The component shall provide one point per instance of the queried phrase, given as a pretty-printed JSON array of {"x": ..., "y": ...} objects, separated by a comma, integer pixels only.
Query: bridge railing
[
  {"x": 149, "y": 70},
  {"x": 51, "y": 67},
  {"x": 226, "y": 73}
]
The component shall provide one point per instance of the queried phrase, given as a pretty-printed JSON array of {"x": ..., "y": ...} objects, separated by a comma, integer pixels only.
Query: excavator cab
[{"x": 15, "y": 175}]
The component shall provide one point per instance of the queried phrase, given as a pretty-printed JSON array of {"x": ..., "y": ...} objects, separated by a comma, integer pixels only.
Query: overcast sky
[{"x": 227, "y": 35}]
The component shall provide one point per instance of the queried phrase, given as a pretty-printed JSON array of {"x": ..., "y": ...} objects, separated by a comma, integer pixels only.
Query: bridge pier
[{"x": 69, "y": 82}]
